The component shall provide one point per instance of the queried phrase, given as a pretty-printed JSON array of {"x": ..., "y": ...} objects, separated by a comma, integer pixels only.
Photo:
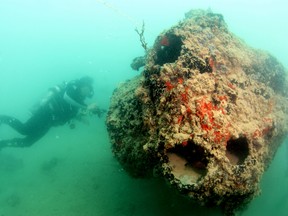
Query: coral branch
[{"x": 141, "y": 36}]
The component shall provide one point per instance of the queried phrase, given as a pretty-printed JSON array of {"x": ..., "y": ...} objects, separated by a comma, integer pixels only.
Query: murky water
[{"x": 73, "y": 172}]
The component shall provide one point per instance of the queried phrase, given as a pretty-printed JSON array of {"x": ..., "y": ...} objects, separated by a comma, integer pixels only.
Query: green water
[{"x": 73, "y": 172}]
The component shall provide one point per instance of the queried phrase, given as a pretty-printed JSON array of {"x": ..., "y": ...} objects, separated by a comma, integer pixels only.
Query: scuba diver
[{"x": 63, "y": 103}]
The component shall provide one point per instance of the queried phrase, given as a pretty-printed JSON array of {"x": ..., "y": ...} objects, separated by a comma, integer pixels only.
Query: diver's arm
[{"x": 96, "y": 110}]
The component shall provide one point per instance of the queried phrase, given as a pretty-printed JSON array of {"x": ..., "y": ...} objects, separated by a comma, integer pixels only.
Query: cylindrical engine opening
[{"x": 188, "y": 162}]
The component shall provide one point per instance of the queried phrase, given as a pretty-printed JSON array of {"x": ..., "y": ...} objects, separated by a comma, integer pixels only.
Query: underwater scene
[{"x": 133, "y": 108}]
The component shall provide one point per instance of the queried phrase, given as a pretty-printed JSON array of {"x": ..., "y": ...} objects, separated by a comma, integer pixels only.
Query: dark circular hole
[
  {"x": 237, "y": 150},
  {"x": 194, "y": 155},
  {"x": 168, "y": 49}
]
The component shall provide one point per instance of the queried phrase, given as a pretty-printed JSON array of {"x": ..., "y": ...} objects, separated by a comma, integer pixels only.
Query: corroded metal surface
[{"x": 208, "y": 113}]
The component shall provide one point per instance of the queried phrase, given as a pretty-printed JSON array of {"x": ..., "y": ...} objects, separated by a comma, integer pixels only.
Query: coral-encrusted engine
[{"x": 208, "y": 113}]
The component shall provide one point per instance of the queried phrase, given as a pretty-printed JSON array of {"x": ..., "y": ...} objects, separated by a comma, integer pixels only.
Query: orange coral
[
  {"x": 184, "y": 143},
  {"x": 169, "y": 86},
  {"x": 205, "y": 111},
  {"x": 180, "y": 80},
  {"x": 164, "y": 41},
  {"x": 180, "y": 118}
]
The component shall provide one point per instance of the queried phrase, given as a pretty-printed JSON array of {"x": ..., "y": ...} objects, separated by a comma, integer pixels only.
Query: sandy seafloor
[
  {"x": 81, "y": 178},
  {"x": 73, "y": 172}
]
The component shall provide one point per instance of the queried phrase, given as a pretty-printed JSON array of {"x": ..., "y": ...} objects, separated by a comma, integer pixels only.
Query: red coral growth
[
  {"x": 184, "y": 97},
  {"x": 204, "y": 111},
  {"x": 212, "y": 63},
  {"x": 205, "y": 126},
  {"x": 169, "y": 86},
  {"x": 184, "y": 143},
  {"x": 180, "y": 80},
  {"x": 266, "y": 130},
  {"x": 180, "y": 118},
  {"x": 188, "y": 109},
  {"x": 222, "y": 97},
  {"x": 164, "y": 41},
  {"x": 231, "y": 86},
  {"x": 205, "y": 108},
  {"x": 257, "y": 133},
  {"x": 220, "y": 137}
]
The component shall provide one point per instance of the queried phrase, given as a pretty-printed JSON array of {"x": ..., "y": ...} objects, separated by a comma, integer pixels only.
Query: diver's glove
[
  {"x": 95, "y": 110},
  {"x": 98, "y": 111}
]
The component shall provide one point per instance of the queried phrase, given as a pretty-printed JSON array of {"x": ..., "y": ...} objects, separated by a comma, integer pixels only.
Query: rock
[{"x": 207, "y": 113}]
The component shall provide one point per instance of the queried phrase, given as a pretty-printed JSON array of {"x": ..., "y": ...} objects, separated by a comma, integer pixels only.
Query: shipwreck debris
[{"x": 208, "y": 113}]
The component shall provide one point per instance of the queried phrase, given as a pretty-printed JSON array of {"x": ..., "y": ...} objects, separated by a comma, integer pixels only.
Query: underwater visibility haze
[{"x": 73, "y": 171}]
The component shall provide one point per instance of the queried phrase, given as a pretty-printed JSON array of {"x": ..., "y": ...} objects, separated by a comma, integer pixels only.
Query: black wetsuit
[{"x": 54, "y": 111}]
